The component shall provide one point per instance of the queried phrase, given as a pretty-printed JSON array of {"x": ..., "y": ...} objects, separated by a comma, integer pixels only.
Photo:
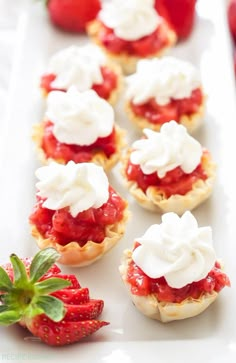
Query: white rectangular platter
[{"x": 130, "y": 337}]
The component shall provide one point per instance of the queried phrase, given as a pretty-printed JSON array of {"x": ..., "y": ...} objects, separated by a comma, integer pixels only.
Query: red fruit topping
[
  {"x": 45, "y": 83},
  {"x": 104, "y": 89},
  {"x": 174, "y": 182},
  {"x": 148, "y": 45},
  {"x": 157, "y": 114},
  {"x": 79, "y": 154},
  {"x": 89, "y": 225},
  {"x": 109, "y": 84},
  {"x": 143, "y": 285}
]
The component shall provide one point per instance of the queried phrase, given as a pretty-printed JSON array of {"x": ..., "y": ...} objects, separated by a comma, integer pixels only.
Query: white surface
[
  {"x": 9, "y": 12},
  {"x": 130, "y": 338}
]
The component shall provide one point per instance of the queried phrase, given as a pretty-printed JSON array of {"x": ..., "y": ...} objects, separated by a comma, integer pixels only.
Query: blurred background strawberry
[
  {"x": 179, "y": 13},
  {"x": 232, "y": 18},
  {"x": 72, "y": 15},
  {"x": 231, "y": 12}
]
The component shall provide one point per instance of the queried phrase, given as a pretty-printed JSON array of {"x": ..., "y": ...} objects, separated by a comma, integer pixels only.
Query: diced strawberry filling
[
  {"x": 46, "y": 83},
  {"x": 174, "y": 182},
  {"x": 157, "y": 114},
  {"x": 60, "y": 151},
  {"x": 143, "y": 47},
  {"x": 110, "y": 83},
  {"x": 104, "y": 90},
  {"x": 89, "y": 225},
  {"x": 143, "y": 285}
]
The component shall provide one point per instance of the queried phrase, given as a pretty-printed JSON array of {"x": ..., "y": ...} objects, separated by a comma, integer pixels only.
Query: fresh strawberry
[
  {"x": 73, "y": 296},
  {"x": 63, "y": 332},
  {"x": 88, "y": 311},
  {"x": 180, "y": 14},
  {"x": 74, "y": 283},
  {"x": 72, "y": 15},
  {"x": 232, "y": 18},
  {"x": 51, "y": 305}
]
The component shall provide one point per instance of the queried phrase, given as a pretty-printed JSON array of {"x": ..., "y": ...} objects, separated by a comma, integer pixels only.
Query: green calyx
[
  {"x": 26, "y": 296},
  {"x": 46, "y": 2}
]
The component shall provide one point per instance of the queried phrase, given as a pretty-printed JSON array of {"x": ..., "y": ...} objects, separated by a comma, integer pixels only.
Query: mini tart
[
  {"x": 128, "y": 61},
  {"x": 165, "y": 312},
  {"x": 155, "y": 200},
  {"x": 73, "y": 254},
  {"x": 191, "y": 121},
  {"x": 97, "y": 156},
  {"x": 108, "y": 68}
]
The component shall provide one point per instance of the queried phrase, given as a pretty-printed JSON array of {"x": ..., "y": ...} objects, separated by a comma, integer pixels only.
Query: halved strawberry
[{"x": 35, "y": 294}]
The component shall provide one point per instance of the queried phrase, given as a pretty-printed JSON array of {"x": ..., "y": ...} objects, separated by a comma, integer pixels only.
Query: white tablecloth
[{"x": 9, "y": 14}]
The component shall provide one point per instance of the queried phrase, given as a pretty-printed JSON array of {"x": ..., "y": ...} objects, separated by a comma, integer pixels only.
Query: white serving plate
[{"x": 130, "y": 337}]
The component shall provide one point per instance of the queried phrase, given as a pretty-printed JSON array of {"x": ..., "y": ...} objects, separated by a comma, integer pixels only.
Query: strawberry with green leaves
[
  {"x": 72, "y": 15},
  {"x": 51, "y": 305}
]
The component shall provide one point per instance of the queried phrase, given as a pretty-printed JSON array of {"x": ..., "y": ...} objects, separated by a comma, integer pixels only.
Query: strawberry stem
[{"x": 27, "y": 297}]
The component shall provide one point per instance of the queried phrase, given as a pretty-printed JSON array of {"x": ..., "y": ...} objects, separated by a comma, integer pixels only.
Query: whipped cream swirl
[
  {"x": 77, "y": 66},
  {"x": 163, "y": 151},
  {"x": 162, "y": 79},
  {"x": 177, "y": 249},
  {"x": 79, "y": 118},
  {"x": 130, "y": 19},
  {"x": 77, "y": 186}
]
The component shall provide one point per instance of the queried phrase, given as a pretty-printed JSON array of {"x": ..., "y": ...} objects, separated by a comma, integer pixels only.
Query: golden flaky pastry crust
[
  {"x": 74, "y": 255},
  {"x": 115, "y": 93},
  {"x": 155, "y": 200},
  {"x": 98, "y": 158},
  {"x": 191, "y": 122},
  {"x": 164, "y": 311},
  {"x": 126, "y": 61}
]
